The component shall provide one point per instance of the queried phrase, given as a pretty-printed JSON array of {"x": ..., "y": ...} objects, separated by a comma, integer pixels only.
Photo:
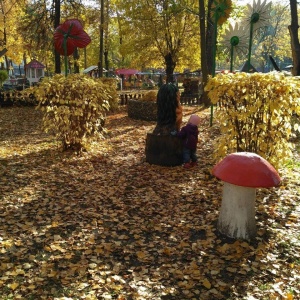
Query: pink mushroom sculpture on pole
[{"x": 242, "y": 173}]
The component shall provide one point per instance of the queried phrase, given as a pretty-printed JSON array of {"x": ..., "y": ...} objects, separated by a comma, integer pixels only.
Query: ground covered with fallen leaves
[{"x": 107, "y": 225}]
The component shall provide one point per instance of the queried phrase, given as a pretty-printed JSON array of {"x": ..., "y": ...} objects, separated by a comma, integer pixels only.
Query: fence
[
  {"x": 9, "y": 98},
  {"x": 184, "y": 100}
]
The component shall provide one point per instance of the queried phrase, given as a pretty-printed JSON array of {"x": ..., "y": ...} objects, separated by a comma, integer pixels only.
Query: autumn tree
[
  {"x": 206, "y": 26},
  {"x": 38, "y": 25},
  {"x": 111, "y": 34},
  {"x": 159, "y": 30},
  {"x": 36, "y": 30},
  {"x": 10, "y": 37},
  {"x": 271, "y": 40}
]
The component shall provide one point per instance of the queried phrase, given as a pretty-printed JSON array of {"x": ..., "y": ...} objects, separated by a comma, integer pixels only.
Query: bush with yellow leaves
[
  {"x": 254, "y": 112},
  {"x": 150, "y": 96},
  {"x": 74, "y": 107}
]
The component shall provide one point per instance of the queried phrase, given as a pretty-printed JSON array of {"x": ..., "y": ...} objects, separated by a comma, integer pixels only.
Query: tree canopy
[{"x": 138, "y": 34}]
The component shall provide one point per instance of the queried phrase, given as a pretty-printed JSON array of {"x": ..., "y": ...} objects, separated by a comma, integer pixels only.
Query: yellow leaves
[
  {"x": 82, "y": 286},
  {"x": 142, "y": 255},
  {"x": 54, "y": 247},
  {"x": 206, "y": 283},
  {"x": 16, "y": 272},
  {"x": 52, "y": 273},
  {"x": 167, "y": 251},
  {"x": 92, "y": 265},
  {"x": 98, "y": 229},
  {"x": 184, "y": 244},
  {"x": 288, "y": 296},
  {"x": 72, "y": 113},
  {"x": 32, "y": 287},
  {"x": 255, "y": 113},
  {"x": 7, "y": 243},
  {"x": 231, "y": 270},
  {"x": 237, "y": 246},
  {"x": 13, "y": 285}
]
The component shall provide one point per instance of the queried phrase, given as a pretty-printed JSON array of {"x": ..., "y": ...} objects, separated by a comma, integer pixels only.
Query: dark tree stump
[{"x": 163, "y": 150}]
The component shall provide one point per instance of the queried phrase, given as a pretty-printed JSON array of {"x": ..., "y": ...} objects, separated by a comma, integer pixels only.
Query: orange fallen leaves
[{"x": 107, "y": 225}]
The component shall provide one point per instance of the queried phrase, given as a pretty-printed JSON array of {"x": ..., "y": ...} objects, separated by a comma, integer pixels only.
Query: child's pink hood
[{"x": 194, "y": 119}]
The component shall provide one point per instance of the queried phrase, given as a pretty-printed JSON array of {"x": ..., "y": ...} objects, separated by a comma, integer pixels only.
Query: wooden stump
[{"x": 163, "y": 150}]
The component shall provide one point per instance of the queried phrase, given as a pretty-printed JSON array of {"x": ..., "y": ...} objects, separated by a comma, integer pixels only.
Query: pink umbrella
[{"x": 126, "y": 71}]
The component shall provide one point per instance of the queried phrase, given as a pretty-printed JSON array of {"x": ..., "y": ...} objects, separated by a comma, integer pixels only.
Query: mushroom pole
[{"x": 241, "y": 201}]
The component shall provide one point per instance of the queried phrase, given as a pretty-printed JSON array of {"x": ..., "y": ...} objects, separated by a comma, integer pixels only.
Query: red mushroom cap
[{"x": 246, "y": 169}]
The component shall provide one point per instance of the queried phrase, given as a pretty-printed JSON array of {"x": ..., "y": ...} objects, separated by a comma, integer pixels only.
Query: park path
[{"x": 107, "y": 225}]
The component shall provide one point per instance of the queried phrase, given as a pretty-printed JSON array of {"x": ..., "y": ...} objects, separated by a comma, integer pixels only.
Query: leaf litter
[{"x": 107, "y": 225}]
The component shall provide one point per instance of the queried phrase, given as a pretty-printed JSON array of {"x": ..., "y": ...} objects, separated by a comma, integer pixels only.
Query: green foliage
[
  {"x": 254, "y": 113},
  {"x": 3, "y": 76},
  {"x": 74, "y": 107}
]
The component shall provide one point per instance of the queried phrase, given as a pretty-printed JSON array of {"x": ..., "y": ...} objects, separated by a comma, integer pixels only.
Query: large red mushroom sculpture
[{"x": 242, "y": 173}]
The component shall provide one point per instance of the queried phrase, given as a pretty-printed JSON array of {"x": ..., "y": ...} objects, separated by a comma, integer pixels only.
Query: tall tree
[
  {"x": 10, "y": 37},
  {"x": 36, "y": 30},
  {"x": 101, "y": 45},
  {"x": 161, "y": 29},
  {"x": 271, "y": 40},
  {"x": 56, "y": 5},
  {"x": 209, "y": 36},
  {"x": 40, "y": 21},
  {"x": 204, "y": 65},
  {"x": 295, "y": 45},
  {"x": 106, "y": 36}
]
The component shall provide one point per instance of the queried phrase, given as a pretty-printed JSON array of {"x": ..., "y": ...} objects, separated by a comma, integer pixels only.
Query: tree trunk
[
  {"x": 170, "y": 66},
  {"x": 163, "y": 150},
  {"x": 100, "y": 64},
  {"x": 106, "y": 44},
  {"x": 237, "y": 214},
  {"x": 293, "y": 29},
  {"x": 25, "y": 63},
  {"x": 56, "y": 23},
  {"x": 209, "y": 38},
  {"x": 203, "y": 56},
  {"x": 106, "y": 61}
]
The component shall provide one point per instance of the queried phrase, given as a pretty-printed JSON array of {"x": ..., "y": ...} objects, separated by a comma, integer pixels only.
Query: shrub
[
  {"x": 142, "y": 110},
  {"x": 111, "y": 85},
  {"x": 74, "y": 107},
  {"x": 3, "y": 76},
  {"x": 150, "y": 96},
  {"x": 254, "y": 113}
]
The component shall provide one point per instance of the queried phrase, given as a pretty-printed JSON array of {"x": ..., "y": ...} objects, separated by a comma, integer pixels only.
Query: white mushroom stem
[{"x": 237, "y": 214}]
